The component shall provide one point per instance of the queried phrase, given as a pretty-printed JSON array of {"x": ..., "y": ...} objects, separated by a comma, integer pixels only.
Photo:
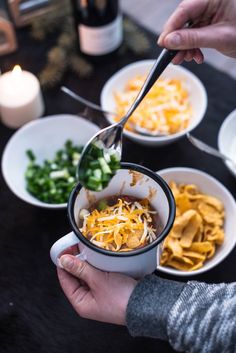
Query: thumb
[
  {"x": 204, "y": 37},
  {"x": 80, "y": 269}
]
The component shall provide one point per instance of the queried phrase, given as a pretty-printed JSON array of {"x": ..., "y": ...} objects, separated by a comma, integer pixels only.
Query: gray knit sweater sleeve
[{"x": 194, "y": 317}]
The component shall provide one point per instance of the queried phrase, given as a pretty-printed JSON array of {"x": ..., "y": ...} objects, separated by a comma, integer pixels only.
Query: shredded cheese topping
[
  {"x": 121, "y": 227},
  {"x": 165, "y": 110}
]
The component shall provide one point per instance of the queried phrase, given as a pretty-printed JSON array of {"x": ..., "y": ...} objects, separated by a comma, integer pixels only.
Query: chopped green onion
[
  {"x": 105, "y": 167},
  {"x": 99, "y": 166},
  {"x": 30, "y": 155},
  {"x": 53, "y": 181},
  {"x": 102, "y": 205}
]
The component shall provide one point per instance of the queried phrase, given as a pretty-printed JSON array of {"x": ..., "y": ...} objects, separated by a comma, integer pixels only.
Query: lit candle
[{"x": 20, "y": 97}]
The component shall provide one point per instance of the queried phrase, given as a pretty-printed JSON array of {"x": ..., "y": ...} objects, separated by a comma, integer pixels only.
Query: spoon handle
[
  {"x": 159, "y": 66},
  {"x": 161, "y": 63},
  {"x": 84, "y": 101},
  {"x": 202, "y": 146}
]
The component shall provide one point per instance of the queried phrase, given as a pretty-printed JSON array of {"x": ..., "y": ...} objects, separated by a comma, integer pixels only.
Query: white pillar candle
[{"x": 20, "y": 98}]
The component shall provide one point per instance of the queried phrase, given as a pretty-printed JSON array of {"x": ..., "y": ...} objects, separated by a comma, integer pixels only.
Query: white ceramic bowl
[
  {"x": 227, "y": 140},
  {"x": 44, "y": 136},
  {"x": 197, "y": 93},
  {"x": 211, "y": 186}
]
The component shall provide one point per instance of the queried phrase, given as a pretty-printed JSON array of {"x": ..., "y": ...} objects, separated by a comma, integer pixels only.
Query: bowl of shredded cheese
[{"x": 175, "y": 105}]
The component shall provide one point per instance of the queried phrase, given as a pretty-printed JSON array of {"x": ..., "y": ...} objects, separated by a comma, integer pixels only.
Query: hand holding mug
[{"x": 96, "y": 295}]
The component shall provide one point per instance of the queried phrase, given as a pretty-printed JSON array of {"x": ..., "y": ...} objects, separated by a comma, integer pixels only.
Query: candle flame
[{"x": 16, "y": 71}]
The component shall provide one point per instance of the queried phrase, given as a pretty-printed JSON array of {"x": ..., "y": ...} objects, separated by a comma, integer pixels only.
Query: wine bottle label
[{"x": 101, "y": 40}]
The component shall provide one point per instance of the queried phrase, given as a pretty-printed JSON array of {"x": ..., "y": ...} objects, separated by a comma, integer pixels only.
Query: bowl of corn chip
[
  {"x": 203, "y": 233},
  {"x": 175, "y": 105}
]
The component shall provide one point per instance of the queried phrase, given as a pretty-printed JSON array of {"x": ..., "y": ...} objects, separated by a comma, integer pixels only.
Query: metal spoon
[
  {"x": 111, "y": 137},
  {"x": 94, "y": 106},
  {"x": 84, "y": 101},
  {"x": 208, "y": 149}
]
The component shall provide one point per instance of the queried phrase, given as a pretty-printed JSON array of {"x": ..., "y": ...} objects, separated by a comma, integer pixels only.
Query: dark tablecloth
[{"x": 34, "y": 313}]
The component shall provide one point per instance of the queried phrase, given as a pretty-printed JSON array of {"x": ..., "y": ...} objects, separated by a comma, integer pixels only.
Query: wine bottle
[{"x": 99, "y": 26}]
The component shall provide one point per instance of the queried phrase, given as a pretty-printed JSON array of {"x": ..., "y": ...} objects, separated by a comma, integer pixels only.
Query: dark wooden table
[{"x": 34, "y": 314}]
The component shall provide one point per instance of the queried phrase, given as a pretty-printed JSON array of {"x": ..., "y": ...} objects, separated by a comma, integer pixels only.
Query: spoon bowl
[{"x": 96, "y": 166}]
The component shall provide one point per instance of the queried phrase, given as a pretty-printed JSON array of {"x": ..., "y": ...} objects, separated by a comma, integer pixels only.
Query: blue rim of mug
[{"x": 161, "y": 236}]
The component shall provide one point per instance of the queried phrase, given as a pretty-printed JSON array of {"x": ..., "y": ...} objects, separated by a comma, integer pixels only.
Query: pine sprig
[
  {"x": 51, "y": 75},
  {"x": 51, "y": 22},
  {"x": 62, "y": 57},
  {"x": 57, "y": 56},
  {"x": 80, "y": 66},
  {"x": 66, "y": 40},
  {"x": 135, "y": 39}
]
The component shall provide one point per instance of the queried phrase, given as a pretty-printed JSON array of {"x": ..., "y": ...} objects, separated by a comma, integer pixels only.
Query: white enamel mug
[{"x": 132, "y": 180}]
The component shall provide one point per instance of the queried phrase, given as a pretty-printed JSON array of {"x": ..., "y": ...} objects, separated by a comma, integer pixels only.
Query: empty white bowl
[
  {"x": 44, "y": 136},
  {"x": 118, "y": 81},
  {"x": 209, "y": 185},
  {"x": 227, "y": 140}
]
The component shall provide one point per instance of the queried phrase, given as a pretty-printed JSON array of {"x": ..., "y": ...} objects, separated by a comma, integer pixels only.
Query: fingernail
[
  {"x": 159, "y": 40},
  {"x": 66, "y": 262},
  {"x": 198, "y": 60},
  {"x": 173, "y": 40},
  {"x": 59, "y": 264}
]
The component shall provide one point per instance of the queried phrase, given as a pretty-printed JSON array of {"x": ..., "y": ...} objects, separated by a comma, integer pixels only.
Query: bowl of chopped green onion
[{"x": 39, "y": 162}]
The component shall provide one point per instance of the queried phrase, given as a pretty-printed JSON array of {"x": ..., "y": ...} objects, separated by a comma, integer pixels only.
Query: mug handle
[{"x": 62, "y": 244}]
